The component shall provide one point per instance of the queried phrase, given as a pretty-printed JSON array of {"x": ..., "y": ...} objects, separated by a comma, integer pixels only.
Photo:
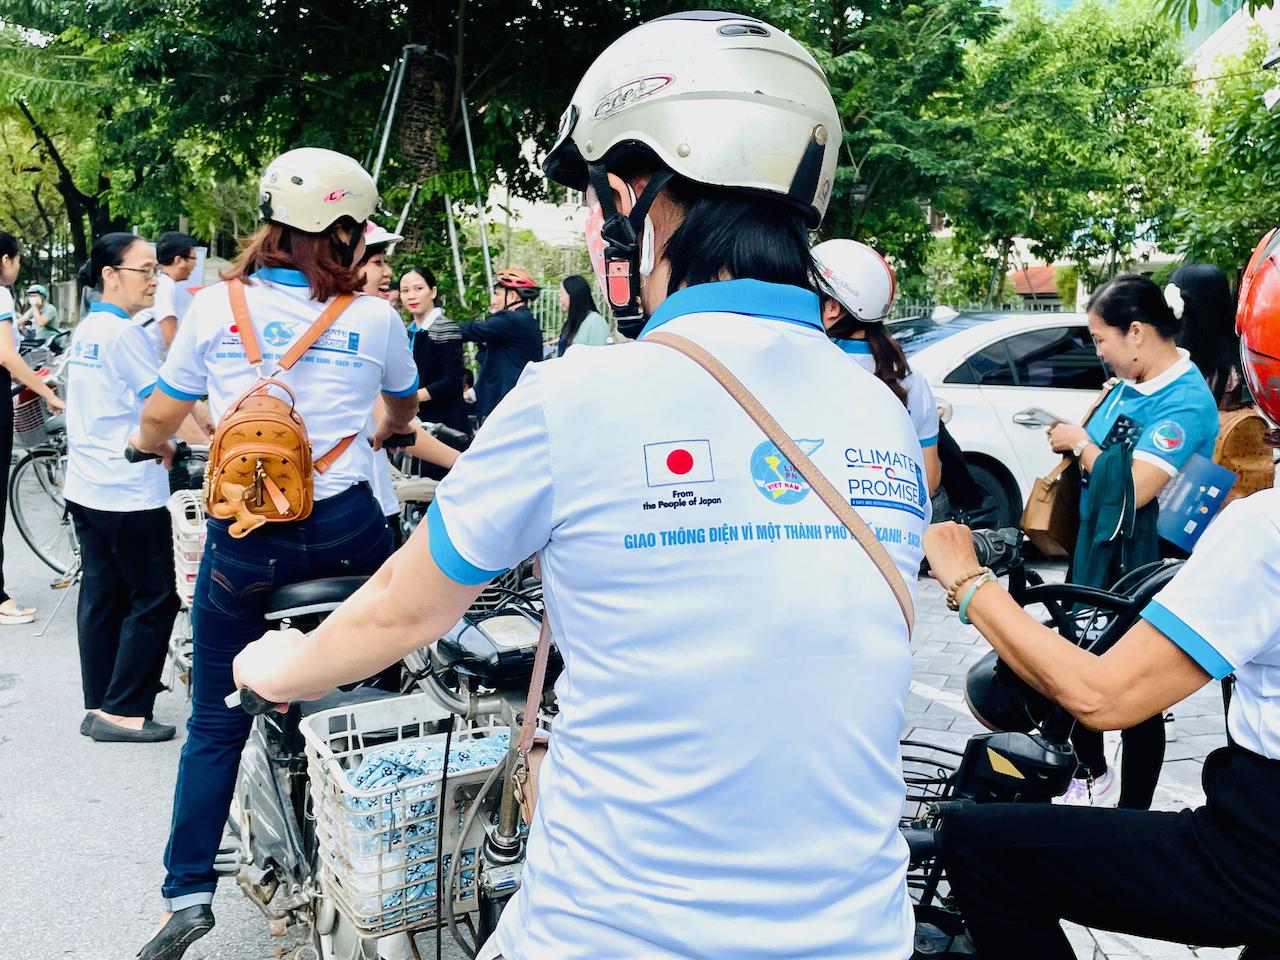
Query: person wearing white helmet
[
  {"x": 689, "y": 568},
  {"x": 315, "y": 204},
  {"x": 857, "y": 287}
]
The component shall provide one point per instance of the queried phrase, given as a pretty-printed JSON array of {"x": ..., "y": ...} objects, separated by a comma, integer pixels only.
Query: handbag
[
  {"x": 1051, "y": 517},
  {"x": 531, "y": 751}
]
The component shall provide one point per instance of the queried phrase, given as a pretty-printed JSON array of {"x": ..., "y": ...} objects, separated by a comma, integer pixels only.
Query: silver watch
[{"x": 1079, "y": 447}]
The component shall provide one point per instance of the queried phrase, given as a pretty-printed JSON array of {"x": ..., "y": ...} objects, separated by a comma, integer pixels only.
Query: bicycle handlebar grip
[
  {"x": 399, "y": 440},
  {"x": 250, "y": 702},
  {"x": 134, "y": 455}
]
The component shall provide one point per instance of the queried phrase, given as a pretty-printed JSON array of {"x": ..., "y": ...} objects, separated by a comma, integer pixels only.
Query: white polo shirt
[
  {"x": 1223, "y": 609},
  {"x": 7, "y": 315},
  {"x": 921, "y": 404},
  {"x": 149, "y": 319},
  {"x": 110, "y": 372},
  {"x": 365, "y": 351},
  {"x": 724, "y": 778}
]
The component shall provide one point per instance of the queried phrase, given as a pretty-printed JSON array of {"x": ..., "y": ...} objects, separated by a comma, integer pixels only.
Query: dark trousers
[
  {"x": 345, "y": 535},
  {"x": 6, "y": 455},
  {"x": 126, "y": 609},
  {"x": 1205, "y": 877},
  {"x": 1140, "y": 762}
]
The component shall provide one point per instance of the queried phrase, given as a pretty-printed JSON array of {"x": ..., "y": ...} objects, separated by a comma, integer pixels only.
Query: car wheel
[{"x": 1002, "y": 507}]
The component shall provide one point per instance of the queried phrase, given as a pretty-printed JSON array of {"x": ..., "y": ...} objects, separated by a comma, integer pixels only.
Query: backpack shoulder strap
[
  {"x": 316, "y": 330},
  {"x": 244, "y": 323},
  {"x": 826, "y": 492}
]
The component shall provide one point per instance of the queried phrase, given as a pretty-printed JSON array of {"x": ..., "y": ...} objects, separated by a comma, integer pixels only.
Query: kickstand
[{"x": 67, "y": 584}]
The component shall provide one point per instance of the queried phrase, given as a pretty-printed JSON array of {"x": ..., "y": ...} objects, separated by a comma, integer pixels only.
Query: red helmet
[
  {"x": 513, "y": 278},
  {"x": 1258, "y": 324}
]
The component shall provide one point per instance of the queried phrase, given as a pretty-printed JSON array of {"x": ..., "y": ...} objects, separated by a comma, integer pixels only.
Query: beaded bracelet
[
  {"x": 953, "y": 604},
  {"x": 987, "y": 577}
]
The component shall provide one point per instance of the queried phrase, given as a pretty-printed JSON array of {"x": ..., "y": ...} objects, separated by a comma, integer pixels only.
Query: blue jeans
[{"x": 345, "y": 535}]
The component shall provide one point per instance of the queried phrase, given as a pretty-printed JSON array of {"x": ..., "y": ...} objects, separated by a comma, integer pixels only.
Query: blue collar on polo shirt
[
  {"x": 752, "y": 298},
  {"x": 99, "y": 307},
  {"x": 283, "y": 276},
  {"x": 856, "y": 348}
]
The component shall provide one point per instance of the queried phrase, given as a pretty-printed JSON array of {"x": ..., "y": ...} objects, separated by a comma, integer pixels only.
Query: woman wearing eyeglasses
[
  {"x": 127, "y": 599},
  {"x": 12, "y": 367}
]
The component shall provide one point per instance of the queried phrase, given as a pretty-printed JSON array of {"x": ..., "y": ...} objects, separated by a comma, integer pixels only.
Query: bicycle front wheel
[{"x": 40, "y": 512}]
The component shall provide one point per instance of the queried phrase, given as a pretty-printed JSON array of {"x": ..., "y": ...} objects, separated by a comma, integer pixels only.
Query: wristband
[
  {"x": 953, "y": 603},
  {"x": 987, "y": 577}
]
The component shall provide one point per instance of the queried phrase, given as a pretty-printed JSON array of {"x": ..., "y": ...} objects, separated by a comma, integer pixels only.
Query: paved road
[{"x": 82, "y": 825}]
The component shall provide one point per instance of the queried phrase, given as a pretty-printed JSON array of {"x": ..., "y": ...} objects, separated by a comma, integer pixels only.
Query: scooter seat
[{"x": 311, "y": 596}]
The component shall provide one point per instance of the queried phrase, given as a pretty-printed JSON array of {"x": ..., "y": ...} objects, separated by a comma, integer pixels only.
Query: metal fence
[{"x": 910, "y": 309}]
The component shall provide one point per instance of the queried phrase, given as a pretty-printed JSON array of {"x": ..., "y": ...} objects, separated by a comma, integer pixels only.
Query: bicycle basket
[
  {"x": 375, "y": 773},
  {"x": 186, "y": 513},
  {"x": 30, "y": 420}
]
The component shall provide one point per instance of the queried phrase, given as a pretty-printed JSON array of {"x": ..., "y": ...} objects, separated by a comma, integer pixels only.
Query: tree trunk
[
  {"x": 1006, "y": 245},
  {"x": 422, "y": 114}
]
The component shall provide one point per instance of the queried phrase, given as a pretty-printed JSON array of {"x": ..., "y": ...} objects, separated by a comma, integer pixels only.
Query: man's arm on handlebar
[
  {"x": 407, "y": 604},
  {"x": 1144, "y": 673}
]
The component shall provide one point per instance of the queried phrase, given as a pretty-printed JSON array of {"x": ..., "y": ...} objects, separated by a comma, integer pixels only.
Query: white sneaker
[{"x": 1103, "y": 791}]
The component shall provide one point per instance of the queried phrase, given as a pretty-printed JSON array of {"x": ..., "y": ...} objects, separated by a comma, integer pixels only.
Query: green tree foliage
[
  {"x": 1082, "y": 124},
  {"x": 1188, "y": 11},
  {"x": 1230, "y": 195}
]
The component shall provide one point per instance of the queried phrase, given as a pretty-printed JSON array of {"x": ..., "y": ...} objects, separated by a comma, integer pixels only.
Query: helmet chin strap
[
  {"x": 349, "y": 248},
  {"x": 622, "y": 249}
]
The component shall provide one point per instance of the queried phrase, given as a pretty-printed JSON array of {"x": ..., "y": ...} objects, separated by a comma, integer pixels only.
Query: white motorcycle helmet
[
  {"x": 310, "y": 189},
  {"x": 858, "y": 277},
  {"x": 720, "y": 99}
]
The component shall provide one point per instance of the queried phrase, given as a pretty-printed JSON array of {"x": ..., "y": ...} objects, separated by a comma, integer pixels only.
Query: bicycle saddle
[{"x": 311, "y": 596}]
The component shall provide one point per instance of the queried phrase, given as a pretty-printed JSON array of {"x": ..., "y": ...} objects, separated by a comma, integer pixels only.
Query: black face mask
[{"x": 622, "y": 248}]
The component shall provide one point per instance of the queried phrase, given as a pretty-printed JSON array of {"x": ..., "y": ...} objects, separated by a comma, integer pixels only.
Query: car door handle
[{"x": 1034, "y": 418}]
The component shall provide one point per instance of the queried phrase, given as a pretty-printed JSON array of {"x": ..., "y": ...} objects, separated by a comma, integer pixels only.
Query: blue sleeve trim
[
  {"x": 5, "y": 316},
  {"x": 929, "y": 441},
  {"x": 1192, "y": 644},
  {"x": 147, "y": 391},
  {"x": 446, "y": 555},
  {"x": 404, "y": 393},
  {"x": 165, "y": 387}
]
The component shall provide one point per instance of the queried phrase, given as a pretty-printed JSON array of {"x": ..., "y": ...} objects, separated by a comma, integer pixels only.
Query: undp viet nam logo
[
  {"x": 278, "y": 332},
  {"x": 775, "y": 477},
  {"x": 1167, "y": 436}
]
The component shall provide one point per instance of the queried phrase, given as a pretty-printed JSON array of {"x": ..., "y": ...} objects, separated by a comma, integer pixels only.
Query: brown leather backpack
[{"x": 260, "y": 466}]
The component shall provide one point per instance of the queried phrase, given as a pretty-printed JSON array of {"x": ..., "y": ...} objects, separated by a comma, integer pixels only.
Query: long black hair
[
  {"x": 891, "y": 362},
  {"x": 1130, "y": 298},
  {"x": 1209, "y": 324},
  {"x": 581, "y": 303},
  {"x": 107, "y": 251}
]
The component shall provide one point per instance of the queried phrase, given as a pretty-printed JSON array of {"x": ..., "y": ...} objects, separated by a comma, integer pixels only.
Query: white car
[{"x": 994, "y": 375}]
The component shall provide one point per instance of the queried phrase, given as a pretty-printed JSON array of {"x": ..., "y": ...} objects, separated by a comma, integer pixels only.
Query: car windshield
[{"x": 915, "y": 335}]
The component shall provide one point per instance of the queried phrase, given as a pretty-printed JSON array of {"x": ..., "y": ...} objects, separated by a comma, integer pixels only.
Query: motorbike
[{"x": 355, "y": 868}]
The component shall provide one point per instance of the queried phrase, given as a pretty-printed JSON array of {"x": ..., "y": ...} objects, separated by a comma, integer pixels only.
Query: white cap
[
  {"x": 376, "y": 236},
  {"x": 858, "y": 277},
  {"x": 311, "y": 189},
  {"x": 721, "y": 98}
]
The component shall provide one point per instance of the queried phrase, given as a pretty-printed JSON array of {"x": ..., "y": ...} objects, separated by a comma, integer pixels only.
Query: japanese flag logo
[
  {"x": 1167, "y": 437},
  {"x": 678, "y": 462}
]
